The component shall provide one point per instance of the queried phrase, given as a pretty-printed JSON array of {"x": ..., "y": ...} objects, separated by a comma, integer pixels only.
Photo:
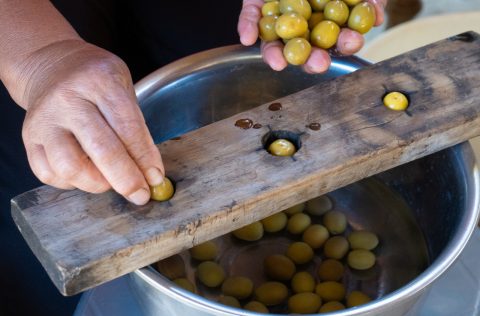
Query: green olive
[
  {"x": 331, "y": 307},
  {"x": 318, "y": 5},
  {"x": 330, "y": 270},
  {"x": 304, "y": 303},
  {"x": 279, "y": 267},
  {"x": 336, "y": 247},
  {"x": 162, "y": 192},
  {"x": 395, "y": 101},
  {"x": 303, "y": 282},
  {"x": 315, "y": 236},
  {"x": 266, "y": 27},
  {"x": 300, "y": 252},
  {"x": 251, "y": 232},
  {"x": 229, "y": 301},
  {"x": 298, "y": 223},
  {"x": 210, "y": 273},
  {"x": 361, "y": 259},
  {"x": 302, "y": 7},
  {"x": 275, "y": 222},
  {"x": 271, "y": 8},
  {"x": 172, "y": 267},
  {"x": 282, "y": 147},
  {"x": 290, "y": 25},
  {"x": 255, "y": 306},
  {"x": 316, "y": 18},
  {"x": 336, "y": 11},
  {"x": 363, "y": 239},
  {"x": 330, "y": 291},
  {"x": 271, "y": 293},
  {"x": 294, "y": 209},
  {"x": 205, "y": 251},
  {"x": 352, "y": 3},
  {"x": 325, "y": 34},
  {"x": 362, "y": 18},
  {"x": 237, "y": 286},
  {"x": 356, "y": 298},
  {"x": 335, "y": 222},
  {"x": 319, "y": 205},
  {"x": 185, "y": 284},
  {"x": 296, "y": 52}
]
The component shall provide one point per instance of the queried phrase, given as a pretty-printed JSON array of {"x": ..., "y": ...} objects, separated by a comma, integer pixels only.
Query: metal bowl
[{"x": 424, "y": 212}]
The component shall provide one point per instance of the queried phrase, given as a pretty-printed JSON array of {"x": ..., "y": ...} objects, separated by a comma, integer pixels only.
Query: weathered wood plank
[{"x": 225, "y": 179}]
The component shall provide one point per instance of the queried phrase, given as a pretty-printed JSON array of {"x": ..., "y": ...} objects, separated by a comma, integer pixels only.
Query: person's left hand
[{"x": 349, "y": 41}]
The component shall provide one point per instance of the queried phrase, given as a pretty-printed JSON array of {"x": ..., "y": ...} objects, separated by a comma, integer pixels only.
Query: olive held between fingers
[
  {"x": 362, "y": 18},
  {"x": 300, "y": 252},
  {"x": 255, "y": 306},
  {"x": 315, "y": 236},
  {"x": 330, "y": 291},
  {"x": 271, "y": 293},
  {"x": 298, "y": 223},
  {"x": 352, "y": 3},
  {"x": 210, "y": 273},
  {"x": 290, "y": 25},
  {"x": 303, "y": 282},
  {"x": 266, "y": 28},
  {"x": 336, "y": 247},
  {"x": 271, "y": 8},
  {"x": 279, "y": 267},
  {"x": 229, "y": 301},
  {"x": 296, "y": 52},
  {"x": 275, "y": 223},
  {"x": 294, "y": 209},
  {"x": 304, "y": 303},
  {"x": 395, "y": 101},
  {"x": 185, "y": 284},
  {"x": 316, "y": 18},
  {"x": 238, "y": 287},
  {"x": 282, "y": 147},
  {"x": 325, "y": 34},
  {"x": 172, "y": 267},
  {"x": 331, "y": 307},
  {"x": 302, "y": 7},
  {"x": 336, "y": 11},
  {"x": 251, "y": 232},
  {"x": 318, "y": 5},
  {"x": 335, "y": 222},
  {"x": 361, "y": 259},
  {"x": 319, "y": 205},
  {"x": 356, "y": 298},
  {"x": 362, "y": 239},
  {"x": 330, "y": 270},
  {"x": 205, "y": 251},
  {"x": 162, "y": 192}
]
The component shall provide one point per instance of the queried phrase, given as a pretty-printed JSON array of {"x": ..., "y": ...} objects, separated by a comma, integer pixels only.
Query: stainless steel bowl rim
[{"x": 200, "y": 61}]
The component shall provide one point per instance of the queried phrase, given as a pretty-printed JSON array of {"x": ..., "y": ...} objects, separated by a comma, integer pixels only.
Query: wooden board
[{"x": 225, "y": 179}]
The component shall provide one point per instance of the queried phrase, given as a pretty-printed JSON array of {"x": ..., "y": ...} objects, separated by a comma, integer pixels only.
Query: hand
[
  {"x": 349, "y": 41},
  {"x": 83, "y": 128}
]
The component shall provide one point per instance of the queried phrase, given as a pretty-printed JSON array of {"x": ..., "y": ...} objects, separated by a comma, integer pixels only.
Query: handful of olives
[{"x": 302, "y": 24}]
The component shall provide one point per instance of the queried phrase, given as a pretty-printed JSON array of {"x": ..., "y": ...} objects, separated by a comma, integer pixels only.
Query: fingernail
[
  {"x": 154, "y": 176},
  {"x": 139, "y": 197}
]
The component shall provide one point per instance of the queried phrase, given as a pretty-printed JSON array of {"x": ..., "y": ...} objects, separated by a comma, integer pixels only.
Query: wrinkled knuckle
[
  {"x": 131, "y": 130},
  {"x": 67, "y": 169},
  {"x": 251, "y": 13},
  {"x": 128, "y": 184},
  {"x": 106, "y": 152}
]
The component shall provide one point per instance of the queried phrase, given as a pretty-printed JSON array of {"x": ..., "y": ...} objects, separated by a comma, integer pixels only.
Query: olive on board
[
  {"x": 275, "y": 223},
  {"x": 356, "y": 298},
  {"x": 361, "y": 259},
  {"x": 210, "y": 273},
  {"x": 335, "y": 222},
  {"x": 331, "y": 307},
  {"x": 330, "y": 270},
  {"x": 266, "y": 28},
  {"x": 296, "y": 52},
  {"x": 294, "y": 209},
  {"x": 336, "y": 247},
  {"x": 229, "y": 301},
  {"x": 185, "y": 284},
  {"x": 255, "y": 306},
  {"x": 336, "y": 11},
  {"x": 162, "y": 192},
  {"x": 279, "y": 267},
  {"x": 396, "y": 101},
  {"x": 300, "y": 252},
  {"x": 362, "y": 18},
  {"x": 362, "y": 239},
  {"x": 315, "y": 235},
  {"x": 237, "y": 286},
  {"x": 172, "y": 267},
  {"x": 325, "y": 34},
  {"x": 302, "y": 282},
  {"x": 282, "y": 147},
  {"x": 290, "y": 25},
  {"x": 304, "y": 303},
  {"x": 204, "y": 251},
  {"x": 271, "y": 293},
  {"x": 319, "y": 205},
  {"x": 251, "y": 232},
  {"x": 298, "y": 223},
  {"x": 301, "y": 7},
  {"x": 330, "y": 291}
]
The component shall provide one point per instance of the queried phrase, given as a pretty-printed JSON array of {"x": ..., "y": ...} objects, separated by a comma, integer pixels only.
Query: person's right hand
[{"x": 83, "y": 128}]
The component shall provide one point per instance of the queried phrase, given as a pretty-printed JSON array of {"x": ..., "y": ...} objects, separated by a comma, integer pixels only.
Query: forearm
[{"x": 26, "y": 28}]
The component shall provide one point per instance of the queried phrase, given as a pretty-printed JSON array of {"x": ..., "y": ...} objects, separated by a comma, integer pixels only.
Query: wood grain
[{"x": 225, "y": 179}]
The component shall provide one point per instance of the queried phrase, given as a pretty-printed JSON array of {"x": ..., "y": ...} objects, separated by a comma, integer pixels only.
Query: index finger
[{"x": 248, "y": 21}]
